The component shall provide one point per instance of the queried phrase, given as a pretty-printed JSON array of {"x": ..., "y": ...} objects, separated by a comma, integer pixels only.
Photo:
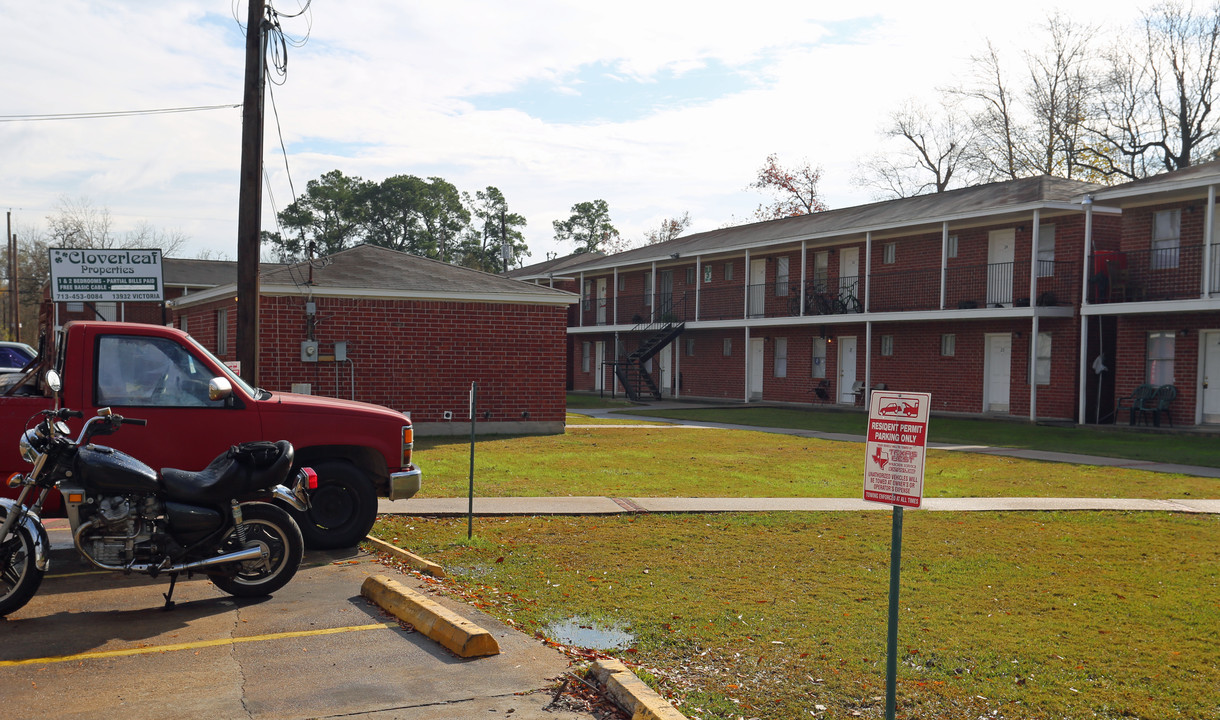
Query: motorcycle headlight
[{"x": 29, "y": 445}]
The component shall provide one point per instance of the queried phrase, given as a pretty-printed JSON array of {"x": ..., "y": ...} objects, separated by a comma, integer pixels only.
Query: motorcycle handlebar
[{"x": 134, "y": 421}]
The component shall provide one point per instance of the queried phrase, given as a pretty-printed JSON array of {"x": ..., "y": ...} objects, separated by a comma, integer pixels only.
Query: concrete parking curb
[
  {"x": 462, "y": 637},
  {"x": 426, "y": 567},
  {"x": 631, "y": 694}
]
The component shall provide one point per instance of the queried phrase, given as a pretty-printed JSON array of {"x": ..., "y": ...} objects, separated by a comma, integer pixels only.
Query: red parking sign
[{"x": 897, "y": 440}]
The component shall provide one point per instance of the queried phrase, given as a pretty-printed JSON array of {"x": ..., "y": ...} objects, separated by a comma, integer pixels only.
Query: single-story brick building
[{"x": 386, "y": 327}]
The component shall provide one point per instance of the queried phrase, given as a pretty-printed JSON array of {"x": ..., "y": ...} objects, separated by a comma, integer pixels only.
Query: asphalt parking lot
[{"x": 94, "y": 643}]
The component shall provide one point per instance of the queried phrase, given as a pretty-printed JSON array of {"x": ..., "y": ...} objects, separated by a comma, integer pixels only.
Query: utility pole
[{"x": 250, "y": 204}]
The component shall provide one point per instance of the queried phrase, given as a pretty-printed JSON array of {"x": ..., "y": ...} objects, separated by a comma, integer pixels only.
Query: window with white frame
[
  {"x": 106, "y": 310},
  {"x": 781, "y": 357},
  {"x": 588, "y": 300},
  {"x": 648, "y": 288},
  {"x": 887, "y": 345},
  {"x": 781, "y": 277},
  {"x": 1046, "y": 251},
  {"x": 182, "y": 324},
  {"x": 728, "y": 271},
  {"x": 889, "y": 254},
  {"x": 1042, "y": 361},
  {"x": 586, "y": 356},
  {"x": 1160, "y": 357},
  {"x": 622, "y": 283},
  {"x": 222, "y": 331},
  {"x": 728, "y": 347},
  {"x": 952, "y": 246},
  {"x": 690, "y": 347},
  {"x": 821, "y": 270},
  {"x": 1166, "y": 237},
  {"x": 948, "y": 345},
  {"x": 819, "y": 358},
  {"x": 690, "y": 275}
]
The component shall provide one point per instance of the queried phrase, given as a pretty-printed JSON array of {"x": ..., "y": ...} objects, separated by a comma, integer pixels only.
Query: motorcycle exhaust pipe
[{"x": 254, "y": 553}]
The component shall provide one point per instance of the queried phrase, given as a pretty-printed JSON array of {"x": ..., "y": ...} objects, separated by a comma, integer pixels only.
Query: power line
[{"x": 113, "y": 114}]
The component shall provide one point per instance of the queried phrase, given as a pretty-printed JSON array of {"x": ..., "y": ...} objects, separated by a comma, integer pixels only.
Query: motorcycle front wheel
[
  {"x": 19, "y": 576},
  {"x": 272, "y": 529}
]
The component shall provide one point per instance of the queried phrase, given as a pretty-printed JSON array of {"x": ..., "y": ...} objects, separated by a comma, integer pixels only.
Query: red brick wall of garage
[
  {"x": 415, "y": 356},
  {"x": 1132, "y": 354}
]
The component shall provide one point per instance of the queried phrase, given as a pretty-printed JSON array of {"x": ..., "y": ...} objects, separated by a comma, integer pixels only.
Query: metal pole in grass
[
  {"x": 474, "y": 392},
  {"x": 891, "y": 661}
]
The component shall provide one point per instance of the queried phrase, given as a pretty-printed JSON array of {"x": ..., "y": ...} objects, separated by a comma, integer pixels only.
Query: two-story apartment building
[
  {"x": 972, "y": 295},
  {"x": 1159, "y": 312}
]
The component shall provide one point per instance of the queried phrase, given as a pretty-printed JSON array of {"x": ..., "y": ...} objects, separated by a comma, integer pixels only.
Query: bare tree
[
  {"x": 934, "y": 148},
  {"x": 1155, "y": 107},
  {"x": 669, "y": 229},
  {"x": 80, "y": 224},
  {"x": 796, "y": 189},
  {"x": 996, "y": 130},
  {"x": 1057, "y": 99}
]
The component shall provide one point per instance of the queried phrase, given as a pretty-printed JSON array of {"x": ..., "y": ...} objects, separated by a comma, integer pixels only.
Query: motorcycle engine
[{"x": 121, "y": 529}]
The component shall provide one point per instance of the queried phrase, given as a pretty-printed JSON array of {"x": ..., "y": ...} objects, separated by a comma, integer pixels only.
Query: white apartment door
[
  {"x": 599, "y": 371},
  {"x": 758, "y": 287},
  {"x": 601, "y": 301},
  {"x": 667, "y": 370},
  {"x": 757, "y": 358},
  {"x": 847, "y": 370},
  {"x": 997, "y": 369},
  {"x": 1211, "y": 376},
  {"x": 1001, "y": 253},
  {"x": 849, "y": 274}
]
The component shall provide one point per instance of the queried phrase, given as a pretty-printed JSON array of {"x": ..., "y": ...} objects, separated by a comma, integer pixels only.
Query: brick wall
[
  {"x": 413, "y": 356},
  {"x": 1132, "y": 353}
]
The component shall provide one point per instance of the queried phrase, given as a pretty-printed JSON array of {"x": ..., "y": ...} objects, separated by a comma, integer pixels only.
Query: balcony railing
[
  {"x": 971, "y": 286},
  {"x": 1166, "y": 273}
]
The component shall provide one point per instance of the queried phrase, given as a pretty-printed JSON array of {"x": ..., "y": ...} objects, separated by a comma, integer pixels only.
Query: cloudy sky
[{"x": 658, "y": 107}]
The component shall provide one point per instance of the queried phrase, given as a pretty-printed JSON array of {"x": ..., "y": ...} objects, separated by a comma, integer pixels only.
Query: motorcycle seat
[{"x": 232, "y": 474}]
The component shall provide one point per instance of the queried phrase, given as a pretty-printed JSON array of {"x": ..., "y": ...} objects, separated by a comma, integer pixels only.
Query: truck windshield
[{"x": 233, "y": 377}]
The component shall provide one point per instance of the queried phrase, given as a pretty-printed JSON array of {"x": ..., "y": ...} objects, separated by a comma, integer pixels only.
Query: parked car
[{"x": 15, "y": 355}]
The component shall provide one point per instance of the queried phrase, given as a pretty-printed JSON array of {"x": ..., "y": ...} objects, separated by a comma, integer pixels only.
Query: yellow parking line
[{"x": 195, "y": 645}]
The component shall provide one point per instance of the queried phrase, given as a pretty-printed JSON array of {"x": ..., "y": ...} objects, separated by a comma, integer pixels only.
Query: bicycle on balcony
[{"x": 820, "y": 301}]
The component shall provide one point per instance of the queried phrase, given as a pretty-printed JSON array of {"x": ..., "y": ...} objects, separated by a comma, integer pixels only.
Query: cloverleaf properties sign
[
  {"x": 116, "y": 275},
  {"x": 897, "y": 440}
]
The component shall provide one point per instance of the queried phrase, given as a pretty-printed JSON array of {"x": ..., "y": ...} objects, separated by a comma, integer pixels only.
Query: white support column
[
  {"x": 1084, "y": 369},
  {"x": 677, "y": 387},
  {"x": 1033, "y": 371},
  {"x": 944, "y": 261},
  {"x": 868, "y": 362},
  {"x": 1033, "y": 259},
  {"x": 801, "y": 299},
  {"x": 652, "y": 308},
  {"x": 746, "y": 364},
  {"x": 868, "y": 271},
  {"x": 1088, "y": 253},
  {"x": 745, "y": 278},
  {"x": 581, "y": 314},
  {"x": 698, "y": 283},
  {"x": 1208, "y": 237},
  {"x": 614, "y": 309},
  {"x": 1084, "y": 319}
]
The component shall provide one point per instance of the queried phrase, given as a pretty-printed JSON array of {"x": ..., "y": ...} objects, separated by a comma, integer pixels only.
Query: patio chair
[
  {"x": 823, "y": 391},
  {"x": 1121, "y": 284},
  {"x": 1158, "y": 403},
  {"x": 1134, "y": 401}
]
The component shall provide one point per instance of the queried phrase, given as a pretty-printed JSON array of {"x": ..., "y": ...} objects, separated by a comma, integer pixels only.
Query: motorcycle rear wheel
[
  {"x": 272, "y": 528},
  {"x": 19, "y": 576}
]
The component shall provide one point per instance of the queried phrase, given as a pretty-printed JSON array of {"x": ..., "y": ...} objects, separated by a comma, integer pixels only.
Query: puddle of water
[{"x": 588, "y": 634}]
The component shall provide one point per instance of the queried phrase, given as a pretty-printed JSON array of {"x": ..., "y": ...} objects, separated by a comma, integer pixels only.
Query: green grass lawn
[
  {"x": 1108, "y": 441},
  {"x": 1029, "y": 615},
  {"x": 647, "y": 462}
]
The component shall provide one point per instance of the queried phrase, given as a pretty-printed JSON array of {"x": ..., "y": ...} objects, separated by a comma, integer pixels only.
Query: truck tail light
[{"x": 408, "y": 444}]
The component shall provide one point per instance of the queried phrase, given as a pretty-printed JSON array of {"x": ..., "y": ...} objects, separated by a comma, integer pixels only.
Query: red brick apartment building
[
  {"x": 386, "y": 327},
  {"x": 1039, "y": 298}
]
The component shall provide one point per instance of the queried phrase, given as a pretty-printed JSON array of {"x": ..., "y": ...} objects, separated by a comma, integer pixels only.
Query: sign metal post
[{"x": 893, "y": 474}]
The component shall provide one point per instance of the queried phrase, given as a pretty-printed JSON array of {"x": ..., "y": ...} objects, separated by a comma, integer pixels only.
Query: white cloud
[{"x": 384, "y": 87}]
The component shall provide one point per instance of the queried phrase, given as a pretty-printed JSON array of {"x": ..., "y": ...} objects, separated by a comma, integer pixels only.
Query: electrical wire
[{"x": 112, "y": 114}]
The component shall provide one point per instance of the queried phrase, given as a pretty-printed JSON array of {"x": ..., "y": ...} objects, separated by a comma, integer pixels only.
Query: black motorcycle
[{"x": 125, "y": 517}]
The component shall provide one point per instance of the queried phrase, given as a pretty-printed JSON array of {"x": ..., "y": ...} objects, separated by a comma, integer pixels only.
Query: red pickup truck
[{"x": 162, "y": 375}]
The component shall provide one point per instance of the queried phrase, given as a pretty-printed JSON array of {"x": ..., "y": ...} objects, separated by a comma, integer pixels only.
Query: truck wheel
[{"x": 342, "y": 509}]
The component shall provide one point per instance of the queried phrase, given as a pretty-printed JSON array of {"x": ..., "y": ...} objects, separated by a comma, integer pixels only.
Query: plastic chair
[
  {"x": 1135, "y": 400},
  {"x": 1158, "y": 403}
]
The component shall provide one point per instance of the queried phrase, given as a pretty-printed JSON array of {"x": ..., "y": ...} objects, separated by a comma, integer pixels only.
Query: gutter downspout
[{"x": 698, "y": 284}]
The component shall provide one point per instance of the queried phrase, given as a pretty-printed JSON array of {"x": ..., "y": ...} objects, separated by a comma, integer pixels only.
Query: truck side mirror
[
  {"x": 54, "y": 382},
  {"x": 219, "y": 388}
]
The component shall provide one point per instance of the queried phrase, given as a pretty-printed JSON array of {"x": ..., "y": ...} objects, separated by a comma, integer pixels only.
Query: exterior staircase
[{"x": 636, "y": 380}]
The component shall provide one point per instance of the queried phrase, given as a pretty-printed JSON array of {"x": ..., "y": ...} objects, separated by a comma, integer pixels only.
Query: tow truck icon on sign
[{"x": 899, "y": 407}]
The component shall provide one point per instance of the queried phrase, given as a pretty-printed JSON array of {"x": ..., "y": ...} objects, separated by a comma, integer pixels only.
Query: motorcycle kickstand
[{"x": 169, "y": 604}]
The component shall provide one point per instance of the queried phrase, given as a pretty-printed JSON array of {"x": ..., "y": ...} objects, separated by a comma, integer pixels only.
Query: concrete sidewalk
[
  {"x": 505, "y": 506},
  {"x": 1025, "y": 454}
]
